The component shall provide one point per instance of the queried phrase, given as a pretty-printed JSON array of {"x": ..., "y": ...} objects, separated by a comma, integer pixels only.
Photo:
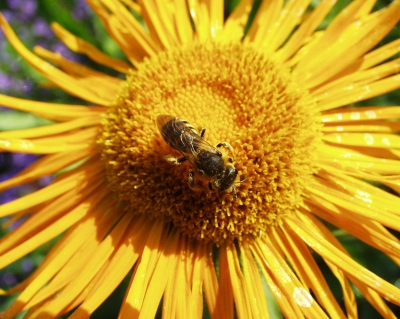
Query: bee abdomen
[{"x": 178, "y": 134}]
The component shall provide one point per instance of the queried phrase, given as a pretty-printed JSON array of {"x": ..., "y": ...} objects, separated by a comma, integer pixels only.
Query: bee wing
[
  {"x": 175, "y": 133},
  {"x": 162, "y": 120},
  {"x": 183, "y": 137},
  {"x": 200, "y": 144},
  {"x": 194, "y": 144}
]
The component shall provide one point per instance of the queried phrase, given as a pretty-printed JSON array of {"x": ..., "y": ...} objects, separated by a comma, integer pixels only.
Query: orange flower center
[{"x": 241, "y": 97}]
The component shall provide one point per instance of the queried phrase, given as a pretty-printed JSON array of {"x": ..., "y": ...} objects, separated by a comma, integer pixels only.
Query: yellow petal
[
  {"x": 101, "y": 256},
  {"x": 45, "y": 166},
  {"x": 392, "y": 181},
  {"x": 59, "y": 78},
  {"x": 307, "y": 269},
  {"x": 349, "y": 298},
  {"x": 282, "y": 300},
  {"x": 200, "y": 18},
  {"x": 355, "y": 41},
  {"x": 240, "y": 294},
  {"x": 61, "y": 185},
  {"x": 64, "y": 142},
  {"x": 53, "y": 230},
  {"x": 125, "y": 30},
  {"x": 183, "y": 25},
  {"x": 375, "y": 300},
  {"x": 51, "y": 111},
  {"x": 362, "y": 203},
  {"x": 198, "y": 265},
  {"x": 177, "y": 292},
  {"x": 266, "y": 16},
  {"x": 289, "y": 18},
  {"x": 164, "y": 269},
  {"x": 348, "y": 293},
  {"x": 336, "y": 27},
  {"x": 234, "y": 25},
  {"x": 143, "y": 272},
  {"x": 361, "y": 93},
  {"x": 345, "y": 83},
  {"x": 225, "y": 292},
  {"x": 307, "y": 231},
  {"x": 160, "y": 23},
  {"x": 347, "y": 159},
  {"x": 44, "y": 217},
  {"x": 106, "y": 85},
  {"x": 215, "y": 10},
  {"x": 253, "y": 283},
  {"x": 368, "y": 231},
  {"x": 380, "y": 54},
  {"x": 364, "y": 139},
  {"x": 364, "y": 191},
  {"x": 120, "y": 263},
  {"x": 52, "y": 129},
  {"x": 306, "y": 29},
  {"x": 301, "y": 301},
  {"x": 365, "y": 126},
  {"x": 78, "y": 45},
  {"x": 371, "y": 295},
  {"x": 133, "y": 5},
  {"x": 29, "y": 147},
  {"x": 65, "y": 259},
  {"x": 211, "y": 288},
  {"x": 361, "y": 114}
]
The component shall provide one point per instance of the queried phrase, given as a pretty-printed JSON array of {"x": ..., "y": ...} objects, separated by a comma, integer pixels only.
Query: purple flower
[
  {"x": 8, "y": 280},
  {"x": 79, "y": 13},
  {"x": 8, "y": 15},
  {"x": 27, "y": 265},
  {"x": 61, "y": 48},
  {"x": 8, "y": 196},
  {"x": 46, "y": 180},
  {"x": 28, "y": 9},
  {"x": 6, "y": 82},
  {"x": 23, "y": 86},
  {"x": 14, "y": 4},
  {"x": 81, "y": 10},
  {"x": 41, "y": 28},
  {"x": 21, "y": 161}
]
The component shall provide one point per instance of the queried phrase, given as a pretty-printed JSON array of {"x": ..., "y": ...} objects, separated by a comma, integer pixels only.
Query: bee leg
[
  {"x": 234, "y": 192},
  {"x": 191, "y": 180},
  {"x": 202, "y": 131},
  {"x": 225, "y": 145},
  {"x": 174, "y": 160},
  {"x": 191, "y": 183}
]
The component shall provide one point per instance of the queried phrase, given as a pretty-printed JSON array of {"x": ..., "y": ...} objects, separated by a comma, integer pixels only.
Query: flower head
[
  {"x": 277, "y": 90},
  {"x": 243, "y": 98}
]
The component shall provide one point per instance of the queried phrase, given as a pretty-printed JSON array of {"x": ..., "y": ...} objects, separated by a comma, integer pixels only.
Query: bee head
[{"x": 227, "y": 179}]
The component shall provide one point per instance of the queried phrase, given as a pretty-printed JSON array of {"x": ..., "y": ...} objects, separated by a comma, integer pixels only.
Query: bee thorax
[{"x": 209, "y": 163}]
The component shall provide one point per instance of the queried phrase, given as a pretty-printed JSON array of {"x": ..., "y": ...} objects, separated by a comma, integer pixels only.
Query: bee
[{"x": 212, "y": 164}]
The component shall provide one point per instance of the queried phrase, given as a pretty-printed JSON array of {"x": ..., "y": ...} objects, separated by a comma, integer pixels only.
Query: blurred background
[{"x": 31, "y": 21}]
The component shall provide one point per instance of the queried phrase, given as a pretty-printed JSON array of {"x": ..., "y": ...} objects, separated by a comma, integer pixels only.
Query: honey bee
[{"x": 212, "y": 164}]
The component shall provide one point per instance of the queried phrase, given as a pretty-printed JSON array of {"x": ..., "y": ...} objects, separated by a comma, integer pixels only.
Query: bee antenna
[{"x": 244, "y": 179}]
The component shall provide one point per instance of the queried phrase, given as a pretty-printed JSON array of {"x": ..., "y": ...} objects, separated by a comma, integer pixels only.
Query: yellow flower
[{"x": 278, "y": 92}]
